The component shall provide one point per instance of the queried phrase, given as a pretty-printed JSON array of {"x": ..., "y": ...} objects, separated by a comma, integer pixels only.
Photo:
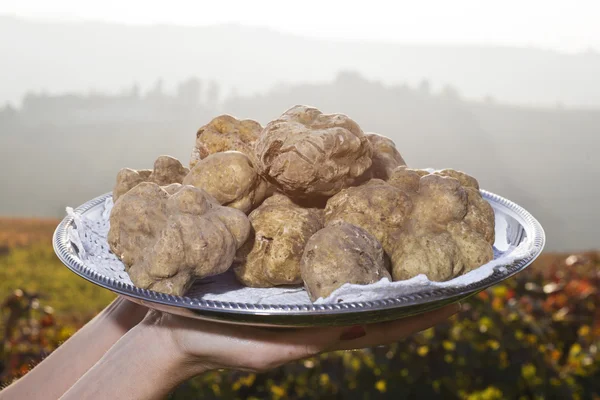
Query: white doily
[{"x": 89, "y": 235}]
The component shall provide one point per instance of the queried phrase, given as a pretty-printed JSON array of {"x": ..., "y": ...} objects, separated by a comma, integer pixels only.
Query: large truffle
[
  {"x": 166, "y": 241},
  {"x": 307, "y": 153},
  {"x": 225, "y": 133},
  {"x": 166, "y": 170},
  {"x": 341, "y": 253},
  {"x": 450, "y": 230},
  {"x": 376, "y": 206},
  {"x": 231, "y": 179},
  {"x": 280, "y": 230}
]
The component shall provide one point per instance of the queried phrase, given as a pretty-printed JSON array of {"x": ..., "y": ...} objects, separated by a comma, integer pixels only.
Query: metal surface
[{"x": 277, "y": 315}]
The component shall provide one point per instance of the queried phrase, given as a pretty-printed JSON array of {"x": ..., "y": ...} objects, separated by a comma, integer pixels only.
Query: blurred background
[{"x": 508, "y": 92}]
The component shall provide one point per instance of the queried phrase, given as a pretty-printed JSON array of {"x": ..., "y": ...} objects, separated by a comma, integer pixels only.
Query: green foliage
[
  {"x": 36, "y": 269},
  {"x": 536, "y": 336}
]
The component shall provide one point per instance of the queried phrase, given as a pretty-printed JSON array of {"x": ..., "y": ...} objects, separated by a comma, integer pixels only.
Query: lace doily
[{"x": 90, "y": 230}]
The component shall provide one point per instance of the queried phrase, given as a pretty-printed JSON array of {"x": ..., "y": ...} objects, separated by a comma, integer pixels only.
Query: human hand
[
  {"x": 164, "y": 350},
  {"x": 201, "y": 345}
]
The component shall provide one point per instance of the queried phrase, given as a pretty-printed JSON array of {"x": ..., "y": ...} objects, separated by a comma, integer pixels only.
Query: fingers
[
  {"x": 292, "y": 345},
  {"x": 257, "y": 349},
  {"x": 392, "y": 331}
]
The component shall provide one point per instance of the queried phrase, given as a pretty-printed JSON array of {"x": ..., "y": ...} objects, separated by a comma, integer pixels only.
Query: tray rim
[{"x": 64, "y": 251}]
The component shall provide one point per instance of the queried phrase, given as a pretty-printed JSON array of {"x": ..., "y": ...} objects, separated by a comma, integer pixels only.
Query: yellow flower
[
  {"x": 519, "y": 334},
  {"x": 277, "y": 391},
  {"x": 584, "y": 330},
  {"x": 448, "y": 345},
  {"x": 528, "y": 371},
  {"x": 248, "y": 380},
  {"x": 575, "y": 350},
  {"x": 381, "y": 385},
  {"x": 324, "y": 379},
  {"x": 485, "y": 324},
  {"x": 422, "y": 351},
  {"x": 493, "y": 344}
]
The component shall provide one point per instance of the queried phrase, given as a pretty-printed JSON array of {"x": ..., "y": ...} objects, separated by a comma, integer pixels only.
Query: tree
[
  {"x": 188, "y": 93},
  {"x": 212, "y": 97}
]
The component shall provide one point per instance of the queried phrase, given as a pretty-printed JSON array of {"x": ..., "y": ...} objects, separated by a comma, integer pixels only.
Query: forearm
[
  {"x": 135, "y": 368},
  {"x": 59, "y": 371}
]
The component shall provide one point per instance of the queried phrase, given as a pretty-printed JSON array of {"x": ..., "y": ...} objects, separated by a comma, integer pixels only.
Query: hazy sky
[{"x": 560, "y": 25}]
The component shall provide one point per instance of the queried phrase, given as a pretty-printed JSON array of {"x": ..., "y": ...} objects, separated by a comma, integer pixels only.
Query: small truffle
[
  {"x": 338, "y": 254},
  {"x": 166, "y": 170},
  {"x": 225, "y": 133},
  {"x": 231, "y": 179}
]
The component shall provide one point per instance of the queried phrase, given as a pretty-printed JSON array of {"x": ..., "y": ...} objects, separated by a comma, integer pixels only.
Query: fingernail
[{"x": 352, "y": 333}]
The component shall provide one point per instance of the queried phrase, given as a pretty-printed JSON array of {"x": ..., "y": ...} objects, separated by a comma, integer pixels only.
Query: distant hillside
[
  {"x": 78, "y": 57},
  {"x": 543, "y": 159}
]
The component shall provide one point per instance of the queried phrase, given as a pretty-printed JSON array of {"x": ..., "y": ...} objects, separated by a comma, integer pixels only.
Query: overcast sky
[{"x": 570, "y": 26}]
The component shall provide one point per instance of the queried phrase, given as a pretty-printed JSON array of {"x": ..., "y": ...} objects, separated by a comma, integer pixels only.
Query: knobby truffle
[
  {"x": 450, "y": 230},
  {"x": 338, "y": 254},
  {"x": 231, "y": 179},
  {"x": 166, "y": 240},
  {"x": 225, "y": 133},
  {"x": 166, "y": 170},
  {"x": 376, "y": 206},
  {"x": 327, "y": 204},
  {"x": 280, "y": 230}
]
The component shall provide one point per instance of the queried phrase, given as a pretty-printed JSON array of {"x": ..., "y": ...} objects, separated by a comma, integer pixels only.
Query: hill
[
  {"x": 60, "y": 57},
  {"x": 543, "y": 159}
]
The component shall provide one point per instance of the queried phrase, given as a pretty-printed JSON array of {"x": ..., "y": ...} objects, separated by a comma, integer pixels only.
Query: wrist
[
  {"x": 125, "y": 313},
  {"x": 161, "y": 341}
]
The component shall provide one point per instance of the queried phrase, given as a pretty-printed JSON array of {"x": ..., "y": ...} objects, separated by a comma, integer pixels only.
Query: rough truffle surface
[
  {"x": 280, "y": 230},
  {"x": 450, "y": 230},
  {"x": 341, "y": 253},
  {"x": 225, "y": 133},
  {"x": 166, "y": 241},
  {"x": 376, "y": 206},
  {"x": 306, "y": 153},
  {"x": 231, "y": 179},
  {"x": 166, "y": 170}
]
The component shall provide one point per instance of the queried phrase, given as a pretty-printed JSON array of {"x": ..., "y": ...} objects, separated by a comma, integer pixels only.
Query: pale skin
[{"x": 141, "y": 354}]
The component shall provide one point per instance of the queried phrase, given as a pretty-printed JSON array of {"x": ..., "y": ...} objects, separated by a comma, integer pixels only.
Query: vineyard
[{"x": 537, "y": 336}]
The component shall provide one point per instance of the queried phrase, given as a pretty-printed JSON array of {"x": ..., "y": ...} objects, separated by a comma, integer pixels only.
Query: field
[{"x": 535, "y": 337}]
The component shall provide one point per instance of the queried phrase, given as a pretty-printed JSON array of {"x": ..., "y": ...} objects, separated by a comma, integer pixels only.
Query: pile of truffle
[{"x": 309, "y": 199}]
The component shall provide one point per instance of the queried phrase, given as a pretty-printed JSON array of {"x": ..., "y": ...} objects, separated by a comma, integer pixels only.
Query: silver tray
[{"x": 519, "y": 225}]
